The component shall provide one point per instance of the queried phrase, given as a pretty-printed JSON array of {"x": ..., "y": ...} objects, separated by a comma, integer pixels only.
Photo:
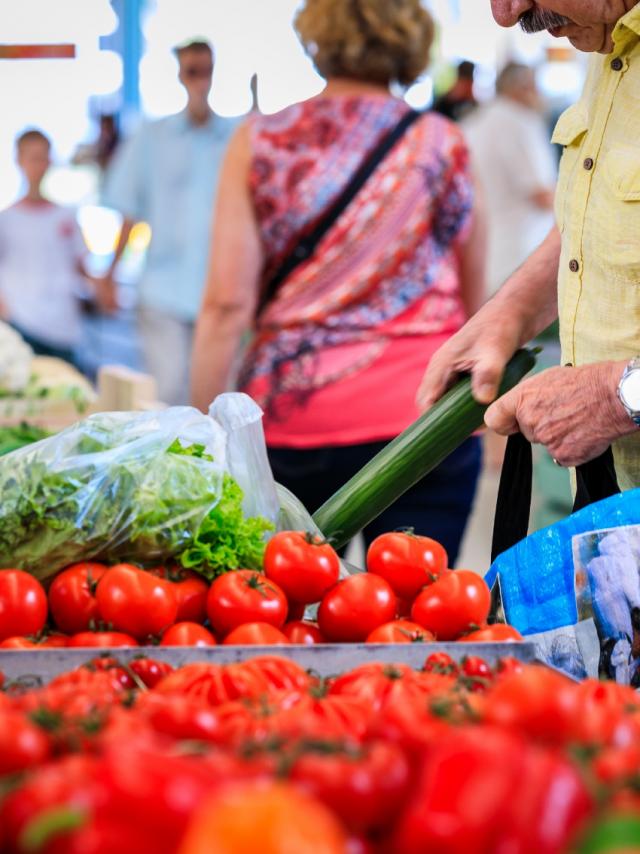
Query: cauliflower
[{"x": 15, "y": 360}]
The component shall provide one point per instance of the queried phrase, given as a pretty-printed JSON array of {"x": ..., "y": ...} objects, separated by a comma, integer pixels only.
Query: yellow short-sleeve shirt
[{"x": 598, "y": 214}]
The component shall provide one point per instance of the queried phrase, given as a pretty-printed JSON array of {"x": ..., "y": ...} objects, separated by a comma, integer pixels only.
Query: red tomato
[
  {"x": 180, "y": 716},
  {"x": 101, "y": 640},
  {"x": 453, "y": 604},
  {"x": 381, "y": 684},
  {"x": 302, "y": 632},
  {"x": 279, "y": 673},
  {"x": 365, "y": 788},
  {"x": 150, "y": 670},
  {"x": 460, "y": 770},
  {"x": 136, "y": 602},
  {"x": 72, "y": 597},
  {"x": 257, "y": 634},
  {"x": 245, "y": 596},
  {"x": 477, "y": 672},
  {"x": 496, "y": 633},
  {"x": 441, "y": 662},
  {"x": 303, "y": 565},
  {"x": 400, "y": 631},
  {"x": 46, "y": 641},
  {"x": 407, "y": 561},
  {"x": 23, "y": 604},
  {"x": 508, "y": 664},
  {"x": 333, "y": 717},
  {"x": 120, "y": 673},
  {"x": 22, "y": 744},
  {"x": 187, "y": 634},
  {"x": 538, "y": 702},
  {"x": 191, "y": 592},
  {"x": 352, "y": 609},
  {"x": 199, "y": 680}
]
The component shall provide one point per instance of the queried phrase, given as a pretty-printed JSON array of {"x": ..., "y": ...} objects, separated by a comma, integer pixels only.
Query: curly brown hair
[{"x": 378, "y": 41}]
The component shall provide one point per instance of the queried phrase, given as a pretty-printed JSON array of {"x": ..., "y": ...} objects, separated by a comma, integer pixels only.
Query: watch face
[{"x": 630, "y": 391}]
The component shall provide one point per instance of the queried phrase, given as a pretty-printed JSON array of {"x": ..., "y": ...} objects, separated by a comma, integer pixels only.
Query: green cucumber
[{"x": 412, "y": 455}]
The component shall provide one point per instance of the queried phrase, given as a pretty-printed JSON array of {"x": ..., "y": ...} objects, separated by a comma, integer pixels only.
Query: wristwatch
[{"x": 629, "y": 390}]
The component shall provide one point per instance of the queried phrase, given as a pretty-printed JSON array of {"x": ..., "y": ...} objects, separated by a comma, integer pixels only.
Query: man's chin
[{"x": 585, "y": 39}]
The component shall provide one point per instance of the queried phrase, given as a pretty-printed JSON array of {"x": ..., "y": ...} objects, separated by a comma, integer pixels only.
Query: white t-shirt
[
  {"x": 40, "y": 246},
  {"x": 512, "y": 158}
]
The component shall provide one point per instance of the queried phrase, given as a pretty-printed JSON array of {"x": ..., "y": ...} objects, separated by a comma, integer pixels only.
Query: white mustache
[{"x": 537, "y": 20}]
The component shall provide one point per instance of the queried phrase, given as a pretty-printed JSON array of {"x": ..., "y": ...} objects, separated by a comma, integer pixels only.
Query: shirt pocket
[
  {"x": 568, "y": 132},
  {"x": 621, "y": 213}
]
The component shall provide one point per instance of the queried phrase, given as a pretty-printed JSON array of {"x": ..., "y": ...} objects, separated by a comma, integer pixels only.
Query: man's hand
[
  {"x": 483, "y": 346},
  {"x": 574, "y": 412}
]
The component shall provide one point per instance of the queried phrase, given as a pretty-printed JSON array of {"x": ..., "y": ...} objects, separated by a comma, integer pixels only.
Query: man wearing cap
[
  {"x": 166, "y": 175},
  {"x": 587, "y": 271}
]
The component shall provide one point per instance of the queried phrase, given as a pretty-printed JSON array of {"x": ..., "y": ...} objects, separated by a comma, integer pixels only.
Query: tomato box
[{"x": 325, "y": 659}]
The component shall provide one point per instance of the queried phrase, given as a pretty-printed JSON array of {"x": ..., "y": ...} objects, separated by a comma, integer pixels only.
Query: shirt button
[
  {"x": 617, "y": 64},
  {"x": 574, "y": 266},
  {"x": 588, "y": 163}
]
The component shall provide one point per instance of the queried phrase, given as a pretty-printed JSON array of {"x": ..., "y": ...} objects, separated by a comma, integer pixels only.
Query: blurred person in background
[
  {"x": 514, "y": 161},
  {"x": 101, "y": 151},
  {"x": 459, "y": 101},
  {"x": 42, "y": 261},
  {"x": 339, "y": 349},
  {"x": 166, "y": 175}
]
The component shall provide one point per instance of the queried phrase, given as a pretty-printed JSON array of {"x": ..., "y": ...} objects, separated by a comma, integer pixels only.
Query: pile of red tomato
[
  {"x": 263, "y": 756},
  {"x": 407, "y": 594}
]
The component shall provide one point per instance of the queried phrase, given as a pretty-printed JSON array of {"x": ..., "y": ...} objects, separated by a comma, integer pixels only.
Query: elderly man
[{"x": 587, "y": 270}]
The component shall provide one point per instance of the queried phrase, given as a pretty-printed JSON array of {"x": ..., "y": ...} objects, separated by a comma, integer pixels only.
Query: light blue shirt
[{"x": 167, "y": 175}]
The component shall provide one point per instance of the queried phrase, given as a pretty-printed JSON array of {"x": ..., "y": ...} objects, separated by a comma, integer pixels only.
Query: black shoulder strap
[{"x": 307, "y": 244}]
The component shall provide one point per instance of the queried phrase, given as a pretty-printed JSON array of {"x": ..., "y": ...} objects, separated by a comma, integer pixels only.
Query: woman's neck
[{"x": 347, "y": 86}]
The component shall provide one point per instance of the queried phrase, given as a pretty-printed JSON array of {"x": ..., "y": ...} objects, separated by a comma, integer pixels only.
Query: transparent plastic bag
[{"x": 128, "y": 485}]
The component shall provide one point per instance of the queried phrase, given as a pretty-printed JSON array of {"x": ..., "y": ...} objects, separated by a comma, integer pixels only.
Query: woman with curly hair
[{"x": 339, "y": 349}]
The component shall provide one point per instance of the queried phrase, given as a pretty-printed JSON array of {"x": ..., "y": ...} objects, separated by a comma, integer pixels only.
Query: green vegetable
[
  {"x": 409, "y": 457},
  {"x": 12, "y": 438},
  {"x": 226, "y": 539},
  {"x": 103, "y": 491},
  {"x": 616, "y": 832}
]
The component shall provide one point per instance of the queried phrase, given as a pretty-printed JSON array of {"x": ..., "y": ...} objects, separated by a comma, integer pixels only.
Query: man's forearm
[{"x": 531, "y": 293}]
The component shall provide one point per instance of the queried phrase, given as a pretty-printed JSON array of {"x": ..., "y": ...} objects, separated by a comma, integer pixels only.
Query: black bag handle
[
  {"x": 307, "y": 244},
  {"x": 595, "y": 481}
]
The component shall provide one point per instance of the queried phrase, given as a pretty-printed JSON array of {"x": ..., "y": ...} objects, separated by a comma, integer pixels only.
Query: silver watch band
[{"x": 632, "y": 412}]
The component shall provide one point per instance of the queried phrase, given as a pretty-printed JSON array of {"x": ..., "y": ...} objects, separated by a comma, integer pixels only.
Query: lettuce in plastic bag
[{"x": 126, "y": 486}]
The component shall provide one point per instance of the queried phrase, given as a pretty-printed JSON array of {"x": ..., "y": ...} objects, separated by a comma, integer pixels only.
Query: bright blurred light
[
  {"x": 70, "y": 185},
  {"x": 560, "y": 79},
  {"x": 420, "y": 94},
  {"x": 100, "y": 228}
]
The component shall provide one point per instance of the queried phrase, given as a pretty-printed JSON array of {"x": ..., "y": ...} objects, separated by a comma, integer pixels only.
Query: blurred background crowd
[
  {"x": 124, "y": 121},
  {"x": 117, "y": 70}
]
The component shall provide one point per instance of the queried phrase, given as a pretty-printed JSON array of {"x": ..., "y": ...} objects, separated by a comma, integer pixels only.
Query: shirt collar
[
  {"x": 629, "y": 21},
  {"x": 183, "y": 123}
]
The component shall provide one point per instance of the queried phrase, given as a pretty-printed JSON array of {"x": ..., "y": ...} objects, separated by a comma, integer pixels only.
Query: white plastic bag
[{"x": 129, "y": 485}]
